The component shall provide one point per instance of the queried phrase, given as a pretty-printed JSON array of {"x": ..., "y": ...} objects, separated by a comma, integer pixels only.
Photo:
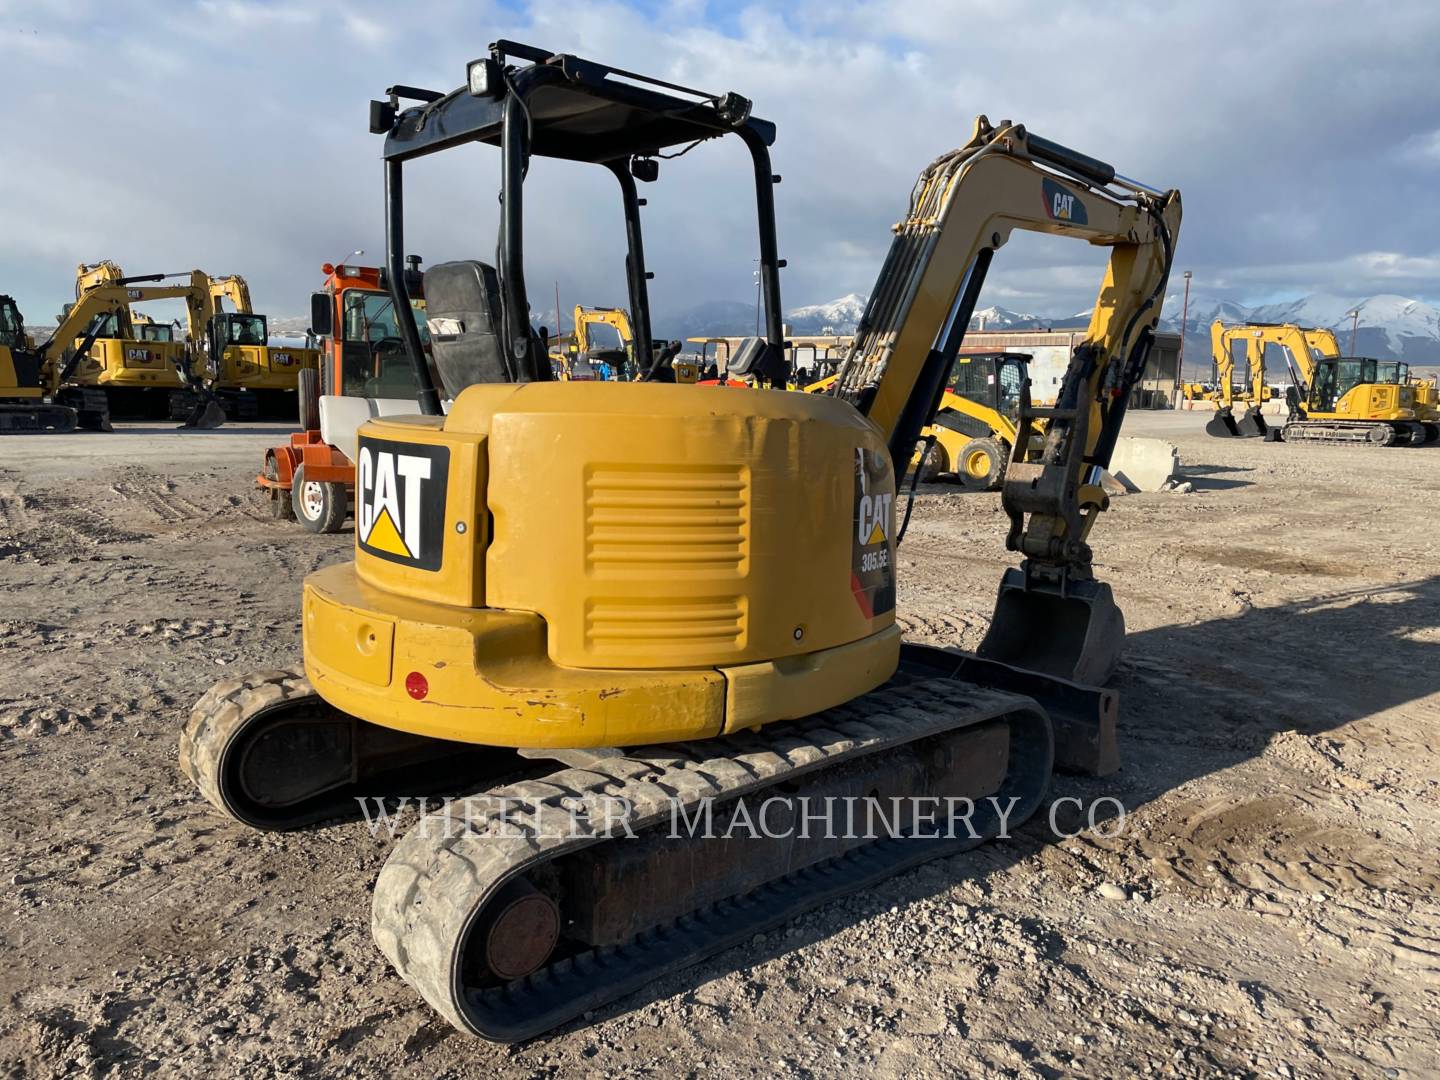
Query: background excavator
[
  {"x": 58, "y": 368},
  {"x": 666, "y": 598},
  {"x": 1252, "y": 395},
  {"x": 252, "y": 379},
  {"x": 1332, "y": 398},
  {"x": 583, "y": 354},
  {"x": 136, "y": 372},
  {"x": 23, "y": 388}
]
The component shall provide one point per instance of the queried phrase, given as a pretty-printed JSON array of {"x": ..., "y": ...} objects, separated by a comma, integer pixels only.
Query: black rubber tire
[
  {"x": 936, "y": 462},
  {"x": 982, "y": 477},
  {"x": 321, "y": 507},
  {"x": 278, "y": 498},
  {"x": 307, "y": 396}
]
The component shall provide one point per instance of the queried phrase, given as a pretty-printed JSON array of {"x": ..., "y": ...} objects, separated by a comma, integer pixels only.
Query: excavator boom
[{"x": 1051, "y": 616}]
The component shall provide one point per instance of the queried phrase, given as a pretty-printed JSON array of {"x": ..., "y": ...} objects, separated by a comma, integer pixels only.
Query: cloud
[{"x": 235, "y": 140}]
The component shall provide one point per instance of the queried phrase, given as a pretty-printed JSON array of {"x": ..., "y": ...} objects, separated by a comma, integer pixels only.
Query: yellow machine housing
[{"x": 654, "y": 591}]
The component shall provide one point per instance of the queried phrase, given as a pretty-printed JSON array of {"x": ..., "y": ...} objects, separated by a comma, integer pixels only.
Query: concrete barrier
[{"x": 1144, "y": 464}]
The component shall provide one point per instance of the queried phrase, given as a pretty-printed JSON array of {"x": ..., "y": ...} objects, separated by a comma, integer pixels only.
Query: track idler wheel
[
  {"x": 1222, "y": 425},
  {"x": 1073, "y": 631},
  {"x": 270, "y": 752}
]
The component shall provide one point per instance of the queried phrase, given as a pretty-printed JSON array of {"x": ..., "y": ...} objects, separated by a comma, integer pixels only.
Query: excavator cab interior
[
  {"x": 564, "y": 107},
  {"x": 993, "y": 379},
  {"x": 1337, "y": 376},
  {"x": 12, "y": 326},
  {"x": 232, "y": 328}
]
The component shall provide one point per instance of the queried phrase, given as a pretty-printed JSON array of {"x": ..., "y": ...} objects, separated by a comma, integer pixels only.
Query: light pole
[
  {"x": 1354, "y": 327},
  {"x": 1184, "y": 326}
]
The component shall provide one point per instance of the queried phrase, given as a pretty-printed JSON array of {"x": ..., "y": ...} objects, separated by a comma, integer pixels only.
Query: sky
[{"x": 231, "y": 135}]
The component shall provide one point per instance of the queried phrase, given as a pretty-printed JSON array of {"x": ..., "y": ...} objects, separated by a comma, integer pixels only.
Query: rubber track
[
  {"x": 222, "y": 709},
  {"x": 1330, "y": 433},
  {"x": 438, "y": 877}
]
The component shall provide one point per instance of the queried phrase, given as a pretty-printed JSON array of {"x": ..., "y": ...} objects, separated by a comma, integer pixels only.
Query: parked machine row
[
  {"x": 1330, "y": 399},
  {"x": 106, "y": 359}
]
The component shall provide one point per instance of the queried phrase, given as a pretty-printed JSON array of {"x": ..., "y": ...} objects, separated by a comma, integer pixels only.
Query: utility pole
[
  {"x": 1354, "y": 327},
  {"x": 1184, "y": 326}
]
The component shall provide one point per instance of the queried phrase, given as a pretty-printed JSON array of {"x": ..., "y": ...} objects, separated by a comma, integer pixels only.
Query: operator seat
[{"x": 462, "y": 302}]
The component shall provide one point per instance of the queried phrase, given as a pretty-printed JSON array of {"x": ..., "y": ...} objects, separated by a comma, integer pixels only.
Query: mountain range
[{"x": 1389, "y": 327}]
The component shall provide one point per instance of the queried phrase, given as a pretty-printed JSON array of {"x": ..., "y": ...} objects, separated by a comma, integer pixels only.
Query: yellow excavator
[
  {"x": 252, "y": 379},
  {"x": 138, "y": 372},
  {"x": 1253, "y": 395},
  {"x": 24, "y": 390},
  {"x": 621, "y": 606},
  {"x": 1427, "y": 399},
  {"x": 57, "y": 369},
  {"x": 1334, "y": 398}
]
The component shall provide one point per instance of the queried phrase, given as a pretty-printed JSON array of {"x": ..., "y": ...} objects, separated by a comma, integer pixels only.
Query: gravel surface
[{"x": 1267, "y": 906}]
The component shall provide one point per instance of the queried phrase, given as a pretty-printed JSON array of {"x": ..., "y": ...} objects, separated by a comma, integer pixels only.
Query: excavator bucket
[
  {"x": 1252, "y": 424},
  {"x": 1074, "y": 632},
  {"x": 1222, "y": 425},
  {"x": 206, "y": 414}
]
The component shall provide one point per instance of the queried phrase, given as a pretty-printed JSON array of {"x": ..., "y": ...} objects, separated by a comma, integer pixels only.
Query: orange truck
[{"x": 364, "y": 372}]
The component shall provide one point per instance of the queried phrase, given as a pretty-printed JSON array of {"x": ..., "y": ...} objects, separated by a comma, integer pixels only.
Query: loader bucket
[
  {"x": 1252, "y": 424},
  {"x": 1075, "y": 634},
  {"x": 1222, "y": 425}
]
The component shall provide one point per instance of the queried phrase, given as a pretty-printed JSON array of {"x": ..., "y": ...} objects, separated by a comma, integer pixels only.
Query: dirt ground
[{"x": 1270, "y": 907}]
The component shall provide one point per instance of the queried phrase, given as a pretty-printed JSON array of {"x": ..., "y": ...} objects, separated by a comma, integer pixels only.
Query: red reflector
[{"x": 416, "y": 685}]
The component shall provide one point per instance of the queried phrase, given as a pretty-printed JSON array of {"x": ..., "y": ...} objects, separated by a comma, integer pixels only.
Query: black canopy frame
[{"x": 562, "y": 106}]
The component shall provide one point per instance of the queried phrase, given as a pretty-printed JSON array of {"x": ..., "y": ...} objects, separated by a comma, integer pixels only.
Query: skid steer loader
[{"x": 589, "y": 596}]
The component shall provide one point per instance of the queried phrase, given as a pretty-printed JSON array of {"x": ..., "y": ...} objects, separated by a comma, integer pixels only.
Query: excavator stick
[
  {"x": 1084, "y": 629},
  {"x": 1222, "y": 425},
  {"x": 1252, "y": 425}
]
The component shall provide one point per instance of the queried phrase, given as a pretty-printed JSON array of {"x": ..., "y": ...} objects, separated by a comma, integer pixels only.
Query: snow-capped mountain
[
  {"x": 996, "y": 318},
  {"x": 842, "y": 315}
]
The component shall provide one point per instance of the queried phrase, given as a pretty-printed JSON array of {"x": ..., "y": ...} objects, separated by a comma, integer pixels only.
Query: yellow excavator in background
[
  {"x": 142, "y": 374},
  {"x": 62, "y": 368},
  {"x": 251, "y": 378},
  {"x": 674, "y": 600},
  {"x": 1252, "y": 395},
  {"x": 24, "y": 390},
  {"x": 581, "y": 357},
  {"x": 1334, "y": 398}
]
